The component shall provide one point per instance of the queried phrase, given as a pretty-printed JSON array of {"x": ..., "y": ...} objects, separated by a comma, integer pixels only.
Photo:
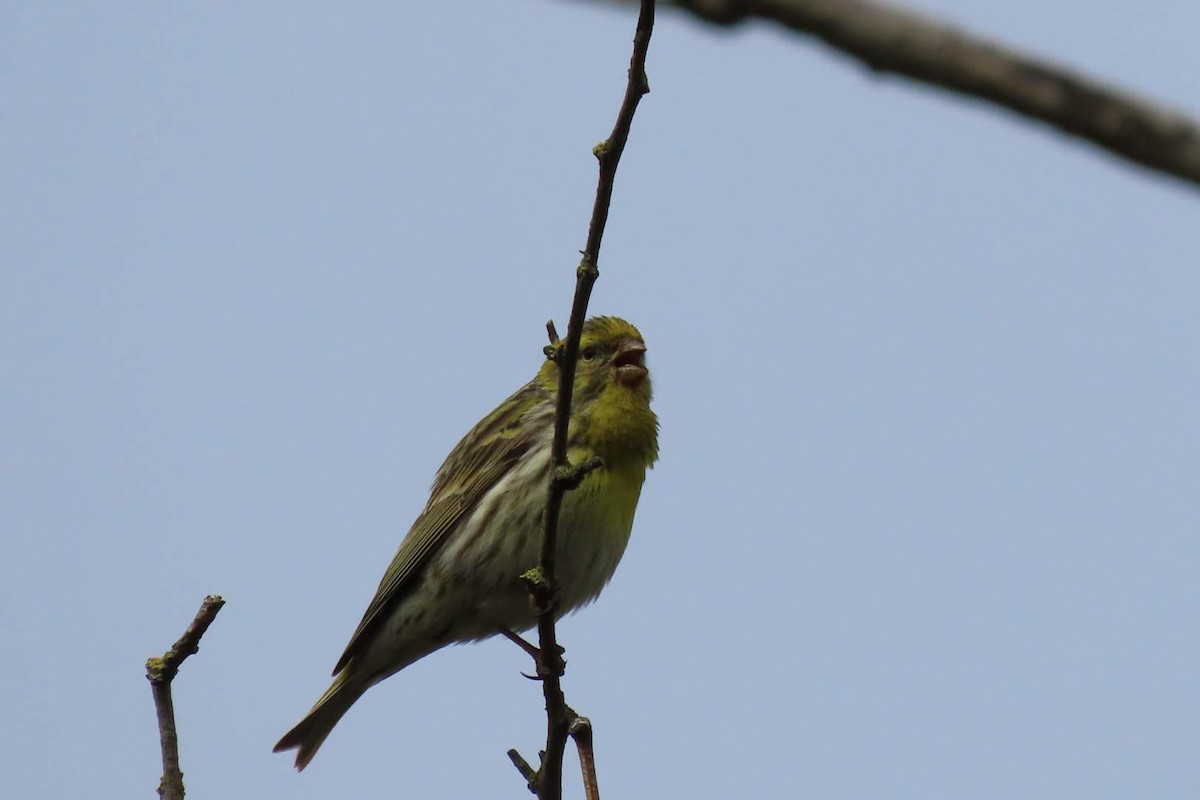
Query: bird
[{"x": 456, "y": 576}]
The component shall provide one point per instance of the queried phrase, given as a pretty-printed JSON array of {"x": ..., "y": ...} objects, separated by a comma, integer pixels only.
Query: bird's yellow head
[{"x": 611, "y": 403}]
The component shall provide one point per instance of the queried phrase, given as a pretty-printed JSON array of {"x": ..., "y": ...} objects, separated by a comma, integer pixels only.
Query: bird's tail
[{"x": 307, "y": 736}]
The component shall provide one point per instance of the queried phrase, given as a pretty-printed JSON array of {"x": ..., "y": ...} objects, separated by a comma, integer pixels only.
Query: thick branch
[
  {"x": 890, "y": 39},
  {"x": 161, "y": 670}
]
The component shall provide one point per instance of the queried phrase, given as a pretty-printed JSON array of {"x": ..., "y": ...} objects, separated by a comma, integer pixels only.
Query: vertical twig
[
  {"x": 161, "y": 670},
  {"x": 544, "y": 588},
  {"x": 581, "y": 732}
]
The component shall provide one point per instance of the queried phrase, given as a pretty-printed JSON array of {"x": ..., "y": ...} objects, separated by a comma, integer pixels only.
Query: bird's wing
[{"x": 474, "y": 466}]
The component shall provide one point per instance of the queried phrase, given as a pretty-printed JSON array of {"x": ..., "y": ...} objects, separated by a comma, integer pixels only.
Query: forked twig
[
  {"x": 542, "y": 582},
  {"x": 161, "y": 670}
]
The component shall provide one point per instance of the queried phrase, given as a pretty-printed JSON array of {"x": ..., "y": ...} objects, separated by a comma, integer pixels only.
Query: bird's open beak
[{"x": 629, "y": 363}]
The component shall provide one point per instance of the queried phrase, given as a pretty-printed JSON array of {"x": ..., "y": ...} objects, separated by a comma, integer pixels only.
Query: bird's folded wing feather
[{"x": 473, "y": 467}]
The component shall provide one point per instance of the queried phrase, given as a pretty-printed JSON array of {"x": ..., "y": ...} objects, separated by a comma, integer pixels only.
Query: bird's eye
[{"x": 588, "y": 354}]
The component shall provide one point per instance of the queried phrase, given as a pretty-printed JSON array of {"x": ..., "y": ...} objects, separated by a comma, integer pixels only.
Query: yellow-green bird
[{"x": 456, "y": 576}]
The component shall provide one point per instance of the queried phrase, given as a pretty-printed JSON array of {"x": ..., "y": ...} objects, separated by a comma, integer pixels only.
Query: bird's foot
[{"x": 546, "y": 667}]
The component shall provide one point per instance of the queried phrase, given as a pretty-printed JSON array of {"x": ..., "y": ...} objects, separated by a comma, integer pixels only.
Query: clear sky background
[{"x": 925, "y": 524}]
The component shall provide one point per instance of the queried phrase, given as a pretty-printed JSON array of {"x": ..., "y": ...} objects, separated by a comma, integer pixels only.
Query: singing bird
[{"x": 456, "y": 577}]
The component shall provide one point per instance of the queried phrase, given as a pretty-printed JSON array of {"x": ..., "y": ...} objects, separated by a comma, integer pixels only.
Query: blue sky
[{"x": 925, "y": 524}]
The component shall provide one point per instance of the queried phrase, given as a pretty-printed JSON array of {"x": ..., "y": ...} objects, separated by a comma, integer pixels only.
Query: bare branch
[
  {"x": 161, "y": 670},
  {"x": 544, "y": 586},
  {"x": 581, "y": 732},
  {"x": 527, "y": 772},
  {"x": 891, "y": 39}
]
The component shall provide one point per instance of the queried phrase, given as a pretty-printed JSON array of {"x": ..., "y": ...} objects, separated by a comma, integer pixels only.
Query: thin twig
[
  {"x": 581, "y": 732},
  {"x": 527, "y": 772},
  {"x": 544, "y": 590},
  {"x": 161, "y": 670},
  {"x": 888, "y": 38},
  {"x": 520, "y": 642}
]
